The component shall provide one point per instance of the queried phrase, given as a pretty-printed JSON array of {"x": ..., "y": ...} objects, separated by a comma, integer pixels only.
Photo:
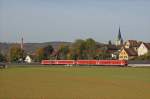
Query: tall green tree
[
  {"x": 48, "y": 50},
  {"x": 84, "y": 49},
  {"x": 63, "y": 51},
  {"x": 44, "y": 53},
  {"x": 91, "y": 48},
  {"x": 103, "y": 53},
  {"x": 109, "y": 42},
  {"x": 79, "y": 48}
]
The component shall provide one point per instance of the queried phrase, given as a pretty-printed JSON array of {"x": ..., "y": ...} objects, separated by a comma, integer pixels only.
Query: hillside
[{"x": 31, "y": 47}]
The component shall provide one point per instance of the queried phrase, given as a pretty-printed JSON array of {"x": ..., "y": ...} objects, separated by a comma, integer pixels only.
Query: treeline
[{"x": 80, "y": 49}]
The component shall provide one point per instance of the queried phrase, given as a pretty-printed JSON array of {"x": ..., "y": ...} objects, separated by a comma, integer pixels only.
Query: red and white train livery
[{"x": 85, "y": 62}]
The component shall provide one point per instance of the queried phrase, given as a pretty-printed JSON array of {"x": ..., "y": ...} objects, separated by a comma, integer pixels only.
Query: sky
[{"x": 68, "y": 20}]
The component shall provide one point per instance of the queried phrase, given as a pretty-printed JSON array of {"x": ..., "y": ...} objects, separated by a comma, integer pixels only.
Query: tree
[
  {"x": 48, "y": 50},
  {"x": 103, "y": 53},
  {"x": 63, "y": 51},
  {"x": 84, "y": 49},
  {"x": 109, "y": 42},
  {"x": 2, "y": 57},
  {"x": 148, "y": 56},
  {"x": 79, "y": 49},
  {"x": 40, "y": 54},
  {"x": 16, "y": 54},
  {"x": 44, "y": 53},
  {"x": 72, "y": 54},
  {"x": 143, "y": 57},
  {"x": 91, "y": 48}
]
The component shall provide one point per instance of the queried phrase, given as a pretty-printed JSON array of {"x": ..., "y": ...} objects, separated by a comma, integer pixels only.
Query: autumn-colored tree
[
  {"x": 2, "y": 57},
  {"x": 72, "y": 55},
  {"x": 40, "y": 54},
  {"x": 16, "y": 54},
  {"x": 44, "y": 53}
]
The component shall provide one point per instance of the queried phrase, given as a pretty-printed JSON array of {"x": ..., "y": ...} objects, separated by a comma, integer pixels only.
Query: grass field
[{"x": 74, "y": 83}]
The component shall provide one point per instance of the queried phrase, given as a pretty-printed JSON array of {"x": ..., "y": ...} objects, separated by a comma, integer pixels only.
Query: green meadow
[{"x": 74, "y": 83}]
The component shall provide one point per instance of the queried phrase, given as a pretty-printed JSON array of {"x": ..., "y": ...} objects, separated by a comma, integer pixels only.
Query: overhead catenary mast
[
  {"x": 22, "y": 49},
  {"x": 22, "y": 43}
]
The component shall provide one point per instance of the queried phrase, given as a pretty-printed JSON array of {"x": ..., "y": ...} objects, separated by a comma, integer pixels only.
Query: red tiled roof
[
  {"x": 147, "y": 45},
  {"x": 134, "y": 43},
  {"x": 56, "y": 52}
]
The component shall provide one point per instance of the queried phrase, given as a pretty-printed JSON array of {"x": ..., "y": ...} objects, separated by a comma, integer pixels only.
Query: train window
[{"x": 125, "y": 56}]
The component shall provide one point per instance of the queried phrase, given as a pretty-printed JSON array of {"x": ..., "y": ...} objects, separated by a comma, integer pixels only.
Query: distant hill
[{"x": 31, "y": 47}]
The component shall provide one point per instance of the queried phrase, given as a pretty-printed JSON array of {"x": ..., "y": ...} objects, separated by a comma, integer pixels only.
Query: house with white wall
[
  {"x": 28, "y": 59},
  {"x": 143, "y": 49},
  {"x": 127, "y": 54}
]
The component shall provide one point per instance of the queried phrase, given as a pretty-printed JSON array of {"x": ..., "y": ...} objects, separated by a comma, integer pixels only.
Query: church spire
[
  {"x": 119, "y": 40},
  {"x": 119, "y": 34}
]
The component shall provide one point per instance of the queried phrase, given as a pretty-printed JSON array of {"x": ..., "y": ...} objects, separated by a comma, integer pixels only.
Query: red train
[{"x": 85, "y": 62}]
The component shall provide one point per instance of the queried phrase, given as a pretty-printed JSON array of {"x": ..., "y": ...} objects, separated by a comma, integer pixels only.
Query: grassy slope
[{"x": 74, "y": 83}]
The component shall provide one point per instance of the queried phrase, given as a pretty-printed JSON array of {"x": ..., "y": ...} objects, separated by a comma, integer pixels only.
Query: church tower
[{"x": 119, "y": 39}]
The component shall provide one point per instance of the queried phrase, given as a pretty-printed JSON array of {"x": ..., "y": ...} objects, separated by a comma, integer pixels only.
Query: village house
[
  {"x": 143, "y": 49},
  {"x": 28, "y": 59},
  {"x": 132, "y": 44},
  {"x": 127, "y": 54}
]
